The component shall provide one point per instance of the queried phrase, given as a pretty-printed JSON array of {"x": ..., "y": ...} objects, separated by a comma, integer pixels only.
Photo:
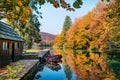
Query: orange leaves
[
  {"x": 19, "y": 3},
  {"x": 23, "y": 15},
  {"x": 56, "y": 41},
  {"x": 15, "y": 16},
  {"x": 24, "y": 18},
  {"x": 60, "y": 40},
  {"x": 17, "y": 8},
  {"x": 90, "y": 31},
  {"x": 9, "y": 17},
  {"x": 8, "y": 2},
  {"x": 28, "y": 10},
  {"x": 99, "y": 29},
  {"x": 78, "y": 35},
  {"x": 56, "y": 5}
]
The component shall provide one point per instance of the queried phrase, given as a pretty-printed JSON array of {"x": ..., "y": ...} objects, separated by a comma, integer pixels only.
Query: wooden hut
[{"x": 11, "y": 45}]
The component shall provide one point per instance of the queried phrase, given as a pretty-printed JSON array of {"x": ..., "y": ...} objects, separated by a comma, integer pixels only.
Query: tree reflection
[
  {"x": 68, "y": 72},
  {"x": 90, "y": 66},
  {"x": 41, "y": 66}
]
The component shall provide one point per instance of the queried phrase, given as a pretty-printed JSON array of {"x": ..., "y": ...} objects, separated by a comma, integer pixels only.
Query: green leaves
[
  {"x": 67, "y": 23},
  {"x": 106, "y": 0},
  {"x": 110, "y": 15},
  {"x": 77, "y": 4},
  {"x": 41, "y": 2},
  {"x": 51, "y": 1}
]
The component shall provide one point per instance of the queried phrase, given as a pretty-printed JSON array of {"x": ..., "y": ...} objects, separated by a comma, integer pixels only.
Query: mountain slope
[{"x": 47, "y": 37}]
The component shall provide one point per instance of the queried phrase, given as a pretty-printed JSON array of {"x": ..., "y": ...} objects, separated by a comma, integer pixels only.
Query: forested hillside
[{"x": 47, "y": 38}]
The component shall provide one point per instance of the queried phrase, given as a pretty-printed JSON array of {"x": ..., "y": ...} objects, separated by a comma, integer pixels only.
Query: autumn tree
[
  {"x": 92, "y": 31},
  {"x": 57, "y": 41},
  {"x": 22, "y": 8},
  {"x": 114, "y": 24},
  {"x": 78, "y": 35},
  {"x": 105, "y": 27},
  {"x": 19, "y": 13},
  {"x": 62, "y": 36},
  {"x": 99, "y": 28}
]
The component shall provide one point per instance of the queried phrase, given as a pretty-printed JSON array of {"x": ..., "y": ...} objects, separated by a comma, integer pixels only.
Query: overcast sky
[{"x": 53, "y": 18}]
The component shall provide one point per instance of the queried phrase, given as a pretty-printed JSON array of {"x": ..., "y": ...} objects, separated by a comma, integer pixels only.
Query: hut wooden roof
[{"x": 8, "y": 33}]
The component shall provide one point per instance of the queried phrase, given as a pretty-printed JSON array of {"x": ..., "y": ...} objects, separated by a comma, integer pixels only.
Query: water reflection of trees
[
  {"x": 41, "y": 66},
  {"x": 68, "y": 72},
  {"x": 114, "y": 62},
  {"x": 67, "y": 68},
  {"x": 92, "y": 67}
]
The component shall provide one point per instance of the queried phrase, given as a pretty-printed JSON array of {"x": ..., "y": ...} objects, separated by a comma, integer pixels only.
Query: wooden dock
[
  {"x": 42, "y": 54},
  {"x": 37, "y": 55}
]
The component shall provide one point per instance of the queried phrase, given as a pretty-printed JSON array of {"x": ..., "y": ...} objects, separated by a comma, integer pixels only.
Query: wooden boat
[{"x": 53, "y": 59}]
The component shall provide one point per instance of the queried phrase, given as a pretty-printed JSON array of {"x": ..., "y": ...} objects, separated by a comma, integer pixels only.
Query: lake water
[
  {"x": 56, "y": 73},
  {"x": 80, "y": 66}
]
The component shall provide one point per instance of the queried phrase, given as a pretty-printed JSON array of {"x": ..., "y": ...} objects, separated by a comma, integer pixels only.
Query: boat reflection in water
[
  {"x": 53, "y": 67},
  {"x": 76, "y": 65}
]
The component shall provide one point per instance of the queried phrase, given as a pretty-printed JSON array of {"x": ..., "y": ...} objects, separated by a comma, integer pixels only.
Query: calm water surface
[
  {"x": 50, "y": 73},
  {"x": 77, "y": 65}
]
